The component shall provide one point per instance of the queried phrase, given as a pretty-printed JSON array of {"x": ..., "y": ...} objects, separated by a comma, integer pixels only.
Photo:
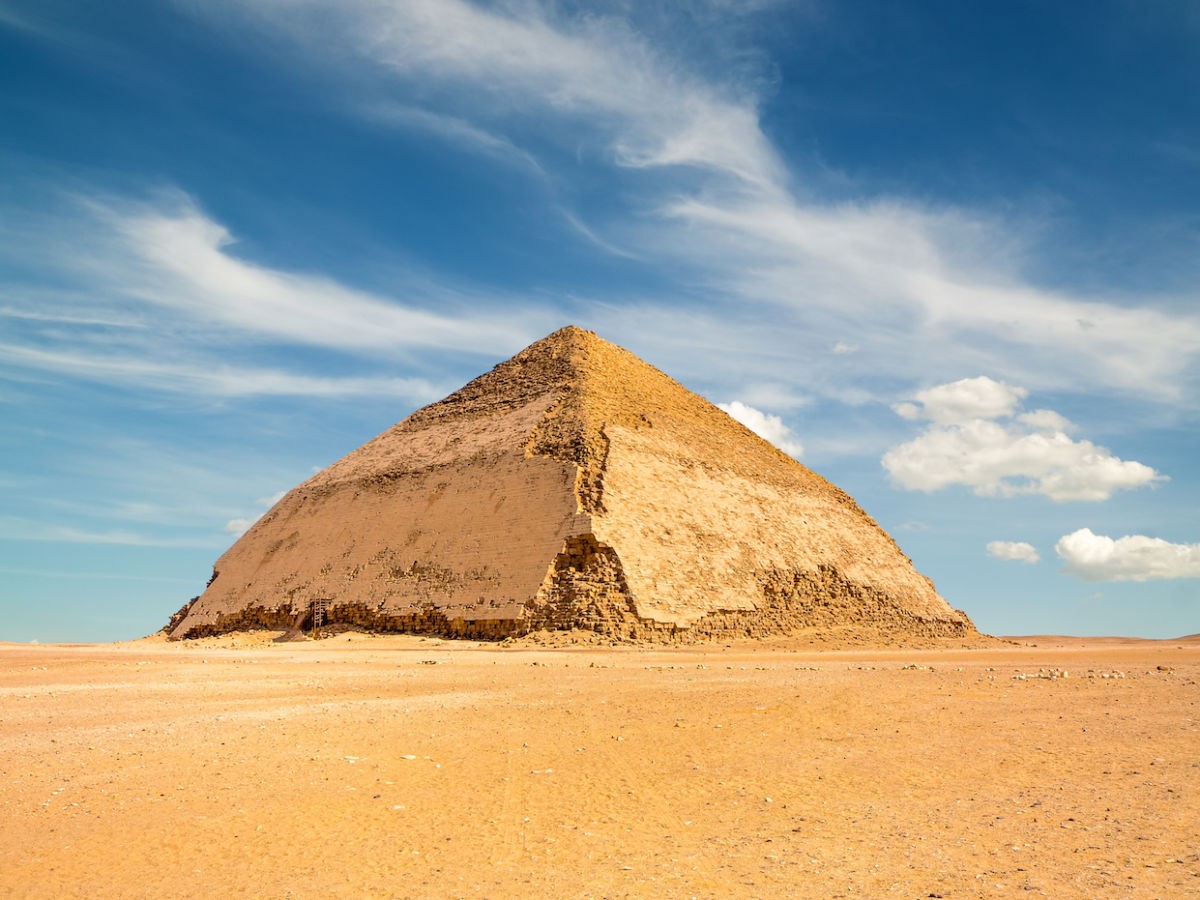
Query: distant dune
[{"x": 1096, "y": 641}]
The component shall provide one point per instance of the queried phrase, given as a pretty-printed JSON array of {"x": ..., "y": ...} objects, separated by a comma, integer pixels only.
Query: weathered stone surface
[{"x": 573, "y": 486}]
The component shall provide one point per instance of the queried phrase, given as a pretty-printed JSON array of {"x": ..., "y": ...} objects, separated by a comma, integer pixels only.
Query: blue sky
[{"x": 945, "y": 253}]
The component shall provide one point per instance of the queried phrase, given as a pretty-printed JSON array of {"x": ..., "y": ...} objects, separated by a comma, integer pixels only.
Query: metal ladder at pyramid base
[{"x": 319, "y": 610}]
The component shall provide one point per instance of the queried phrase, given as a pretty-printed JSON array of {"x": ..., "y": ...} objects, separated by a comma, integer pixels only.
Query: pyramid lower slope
[{"x": 573, "y": 486}]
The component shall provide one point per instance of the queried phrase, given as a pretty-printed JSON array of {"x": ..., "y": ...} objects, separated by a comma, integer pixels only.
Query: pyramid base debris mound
[{"x": 592, "y": 609}]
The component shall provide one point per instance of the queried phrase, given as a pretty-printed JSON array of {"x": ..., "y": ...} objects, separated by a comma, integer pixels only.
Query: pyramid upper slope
[{"x": 588, "y": 384}]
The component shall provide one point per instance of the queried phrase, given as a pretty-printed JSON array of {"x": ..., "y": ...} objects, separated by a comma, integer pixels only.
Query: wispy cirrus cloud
[
  {"x": 15, "y": 528},
  {"x": 173, "y": 255},
  {"x": 914, "y": 287},
  {"x": 212, "y": 379},
  {"x": 456, "y": 131},
  {"x": 94, "y": 576},
  {"x": 522, "y": 58},
  {"x": 918, "y": 291},
  {"x": 151, "y": 293}
]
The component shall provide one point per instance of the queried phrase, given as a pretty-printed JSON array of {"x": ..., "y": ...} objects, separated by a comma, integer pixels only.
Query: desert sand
[{"x": 363, "y": 766}]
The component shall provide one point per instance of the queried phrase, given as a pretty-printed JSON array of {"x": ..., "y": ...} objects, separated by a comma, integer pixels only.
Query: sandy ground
[{"x": 401, "y": 767}]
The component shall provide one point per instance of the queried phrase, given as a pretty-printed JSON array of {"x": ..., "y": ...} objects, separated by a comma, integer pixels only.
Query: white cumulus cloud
[
  {"x": 974, "y": 439},
  {"x": 969, "y": 398},
  {"x": 1135, "y": 557},
  {"x": 239, "y": 526},
  {"x": 1017, "y": 551},
  {"x": 270, "y": 501},
  {"x": 766, "y": 426}
]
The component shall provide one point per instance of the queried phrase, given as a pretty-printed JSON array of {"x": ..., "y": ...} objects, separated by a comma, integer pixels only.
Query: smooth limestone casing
[
  {"x": 435, "y": 528},
  {"x": 573, "y": 486},
  {"x": 734, "y": 531}
]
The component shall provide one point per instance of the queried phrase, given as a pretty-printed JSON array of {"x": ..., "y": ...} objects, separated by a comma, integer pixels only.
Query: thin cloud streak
[
  {"x": 929, "y": 295},
  {"x": 652, "y": 113},
  {"x": 92, "y": 576},
  {"x": 456, "y": 131},
  {"x": 149, "y": 295},
  {"x": 177, "y": 257},
  {"x": 582, "y": 228},
  {"x": 220, "y": 381},
  {"x": 17, "y": 529},
  {"x": 65, "y": 318}
]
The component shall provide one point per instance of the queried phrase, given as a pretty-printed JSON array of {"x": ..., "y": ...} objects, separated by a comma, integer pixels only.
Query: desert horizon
[{"x": 256, "y": 636}]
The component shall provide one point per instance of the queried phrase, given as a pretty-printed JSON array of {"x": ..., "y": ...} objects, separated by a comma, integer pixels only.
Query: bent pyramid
[{"x": 573, "y": 486}]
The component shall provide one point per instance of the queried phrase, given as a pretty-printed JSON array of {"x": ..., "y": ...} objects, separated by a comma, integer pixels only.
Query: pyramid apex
[
  {"x": 572, "y": 331},
  {"x": 568, "y": 335}
]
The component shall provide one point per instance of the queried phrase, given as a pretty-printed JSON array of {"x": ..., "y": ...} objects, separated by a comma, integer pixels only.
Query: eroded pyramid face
[{"x": 573, "y": 486}]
